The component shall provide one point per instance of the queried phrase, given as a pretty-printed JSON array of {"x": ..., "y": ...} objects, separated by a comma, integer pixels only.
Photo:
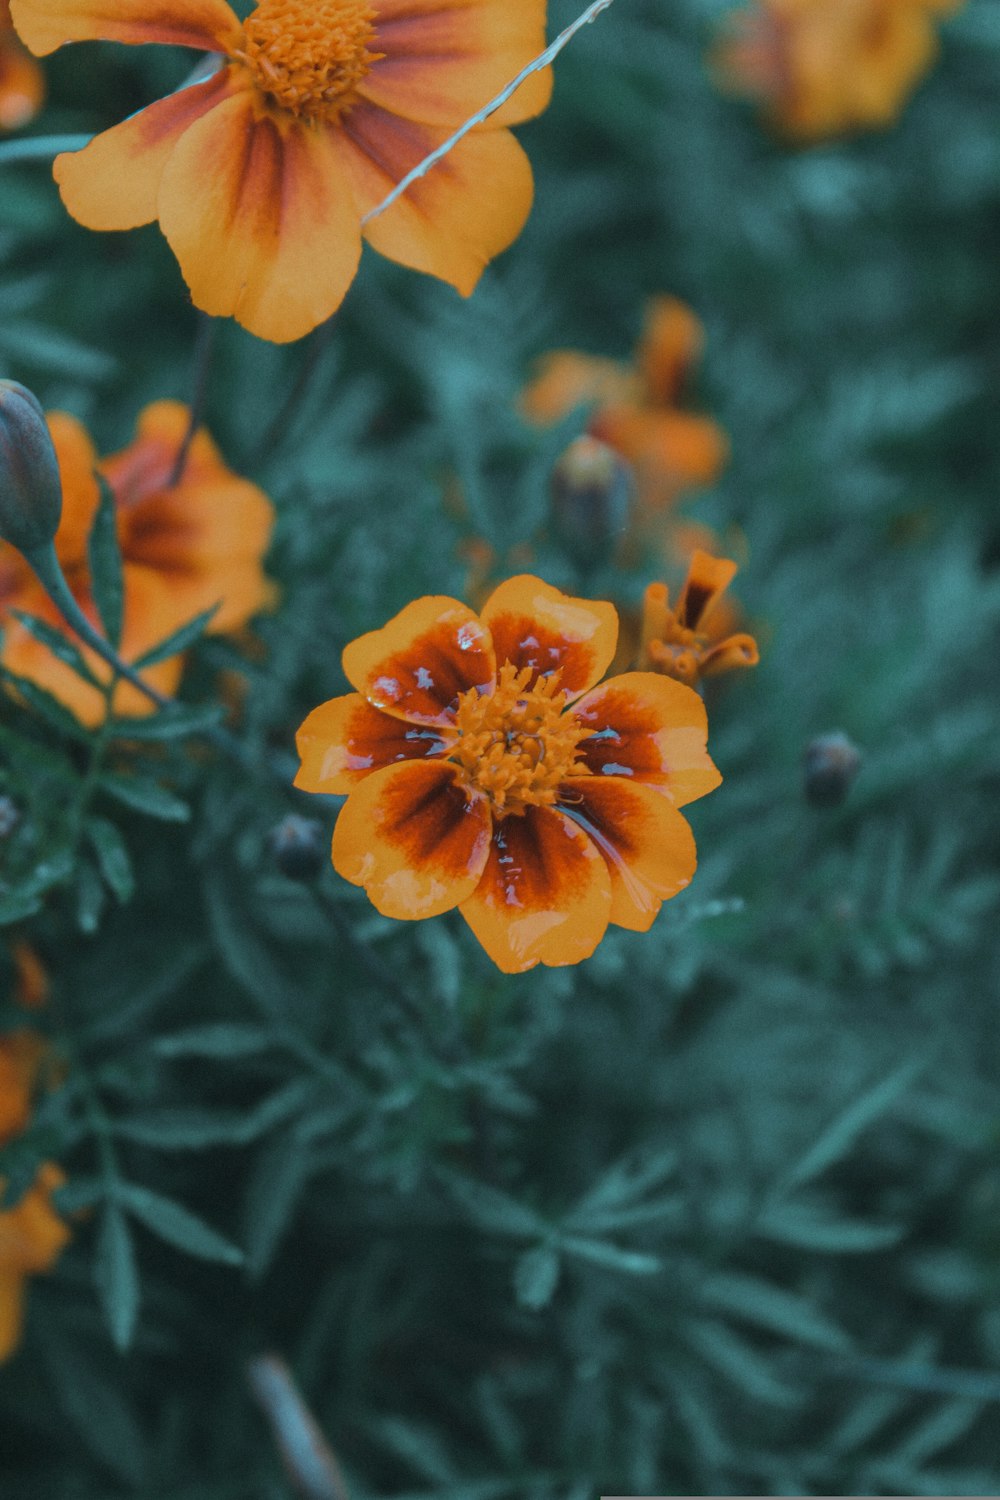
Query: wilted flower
[
  {"x": 693, "y": 639},
  {"x": 636, "y": 408},
  {"x": 260, "y": 174},
  {"x": 31, "y": 1233},
  {"x": 185, "y": 547},
  {"x": 486, "y": 770},
  {"x": 22, "y": 84},
  {"x": 30, "y": 488},
  {"x": 823, "y": 67}
]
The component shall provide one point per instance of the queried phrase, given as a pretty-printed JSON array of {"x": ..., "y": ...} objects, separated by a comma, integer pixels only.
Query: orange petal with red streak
[
  {"x": 535, "y": 625},
  {"x": 647, "y": 844},
  {"x": 416, "y": 666},
  {"x": 345, "y": 740},
  {"x": 208, "y": 25},
  {"x": 652, "y": 729},
  {"x": 414, "y": 838},
  {"x": 262, "y": 219},
  {"x": 545, "y": 895}
]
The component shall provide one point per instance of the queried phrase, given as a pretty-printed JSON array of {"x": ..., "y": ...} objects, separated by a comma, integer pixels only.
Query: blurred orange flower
[
  {"x": 31, "y": 1234},
  {"x": 31, "y": 980},
  {"x": 486, "y": 770},
  {"x": 823, "y": 67},
  {"x": 185, "y": 547},
  {"x": 636, "y": 408},
  {"x": 260, "y": 175},
  {"x": 694, "y": 639},
  {"x": 22, "y": 83}
]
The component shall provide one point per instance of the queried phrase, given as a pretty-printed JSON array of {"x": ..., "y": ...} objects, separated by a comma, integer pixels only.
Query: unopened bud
[
  {"x": 299, "y": 847},
  {"x": 30, "y": 487},
  {"x": 591, "y": 495},
  {"x": 831, "y": 764}
]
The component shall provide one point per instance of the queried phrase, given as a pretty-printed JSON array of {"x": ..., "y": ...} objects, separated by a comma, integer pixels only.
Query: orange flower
[
  {"x": 636, "y": 408},
  {"x": 260, "y": 175},
  {"x": 31, "y": 980},
  {"x": 693, "y": 640},
  {"x": 184, "y": 548},
  {"x": 22, "y": 84},
  {"x": 486, "y": 770},
  {"x": 31, "y": 1234},
  {"x": 820, "y": 68}
]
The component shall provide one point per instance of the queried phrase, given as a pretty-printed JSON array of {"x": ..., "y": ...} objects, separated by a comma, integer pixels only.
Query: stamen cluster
[
  {"x": 517, "y": 745},
  {"x": 309, "y": 56}
]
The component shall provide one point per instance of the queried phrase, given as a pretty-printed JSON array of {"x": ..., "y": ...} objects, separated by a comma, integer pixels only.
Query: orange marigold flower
[
  {"x": 31, "y": 1234},
  {"x": 260, "y": 175},
  {"x": 185, "y": 547},
  {"x": 487, "y": 770},
  {"x": 636, "y": 408},
  {"x": 22, "y": 83},
  {"x": 819, "y": 68},
  {"x": 694, "y": 640}
]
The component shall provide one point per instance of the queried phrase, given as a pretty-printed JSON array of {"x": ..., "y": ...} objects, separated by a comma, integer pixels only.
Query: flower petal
[
  {"x": 534, "y": 625},
  {"x": 651, "y": 729},
  {"x": 729, "y": 654},
  {"x": 262, "y": 219},
  {"x": 77, "y": 464},
  {"x": 647, "y": 844},
  {"x": 11, "y": 1311},
  {"x": 451, "y": 222},
  {"x": 22, "y": 83},
  {"x": 707, "y": 579},
  {"x": 209, "y": 25},
  {"x": 683, "y": 447},
  {"x": 441, "y": 65},
  {"x": 345, "y": 740},
  {"x": 566, "y": 379},
  {"x": 545, "y": 895},
  {"x": 672, "y": 341},
  {"x": 114, "y": 182},
  {"x": 416, "y": 666},
  {"x": 414, "y": 838}
]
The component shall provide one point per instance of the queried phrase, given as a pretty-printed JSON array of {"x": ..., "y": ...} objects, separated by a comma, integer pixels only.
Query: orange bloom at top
[
  {"x": 636, "y": 407},
  {"x": 31, "y": 1234},
  {"x": 22, "y": 86},
  {"x": 260, "y": 175},
  {"x": 823, "y": 67},
  {"x": 185, "y": 547},
  {"x": 485, "y": 769}
]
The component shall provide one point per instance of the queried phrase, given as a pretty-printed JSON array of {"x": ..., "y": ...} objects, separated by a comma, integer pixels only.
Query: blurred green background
[{"x": 717, "y": 1212}]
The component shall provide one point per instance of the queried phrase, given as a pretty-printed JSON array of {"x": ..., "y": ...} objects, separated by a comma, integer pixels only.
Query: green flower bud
[{"x": 30, "y": 487}]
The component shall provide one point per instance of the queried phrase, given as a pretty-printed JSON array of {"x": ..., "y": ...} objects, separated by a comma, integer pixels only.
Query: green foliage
[{"x": 717, "y": 1212}]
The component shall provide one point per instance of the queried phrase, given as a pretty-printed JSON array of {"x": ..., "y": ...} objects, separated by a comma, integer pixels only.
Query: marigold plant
[
  {"x": 695, "y": 638},
  {"x": 487, "y": 770},
  {"x": 261, "y": 173},
  {"x": 189, "y": 541}
]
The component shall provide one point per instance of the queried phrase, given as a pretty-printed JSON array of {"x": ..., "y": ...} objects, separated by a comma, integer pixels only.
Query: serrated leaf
[
  {"x": 116, "y": 1275},
  {"x": 177, "y": 1225},
  {"x": 536, "y": 1276},
  {"x": 112, "y": 857},
  {"x": 170, "y": 723},
  {"x": 59, "y": 644},
  {"x": 147, "y": 797},
  {"x": 179, "y": 640},
  {"x": 107, "y": 580}
]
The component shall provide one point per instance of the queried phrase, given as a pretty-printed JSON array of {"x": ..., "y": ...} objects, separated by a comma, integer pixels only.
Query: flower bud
[
  {"x": 30, "y": 487},
  {"x": 831, "y": 764},
  {"x": 299, "y": 847},
  {"x": 591, "y": 494}
]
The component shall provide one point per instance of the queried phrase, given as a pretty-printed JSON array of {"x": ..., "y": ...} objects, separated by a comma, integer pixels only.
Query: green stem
[
  {"x": 41, "y": 147},
  {"x": 203, "y": 351}
]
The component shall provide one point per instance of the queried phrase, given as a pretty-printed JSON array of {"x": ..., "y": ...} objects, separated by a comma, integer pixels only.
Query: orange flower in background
[
  {"x": 694, "y": 639},
  {"x": 185, "y": 547},
  {"x": 31, "y": 1233},
  {"x": 823, "y": 67},
  {"x": 260, "y": 175},
  {"x": 636, "y": 408},
  {"x": 31, "y": 979},
  {"x": 486, "y": 770},
  {"x": 22, "y": 83}
]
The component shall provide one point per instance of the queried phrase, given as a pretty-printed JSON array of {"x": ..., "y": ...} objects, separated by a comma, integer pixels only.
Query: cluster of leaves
[{"x": 716, "y": 1212}]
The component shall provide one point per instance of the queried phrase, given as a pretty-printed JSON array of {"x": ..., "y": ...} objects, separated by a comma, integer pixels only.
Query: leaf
[
  {"x": 105, "y": 559},
  {"x": 177, "y": 1225},
  {"x": 179, "y": 640},
  {"x": 170, "y": 723},
  {"x": 276, "y": 1185},
  {"x": 90, "y": 898},
  {"x": 192, "y": 1129},
  {"x": 112, "y": 857},
  {"x": 770, "y": 1307},
  {"x": 536, "y": 1276},
  {"x": 612, "y": 1257},
  {"x": 18, "y": 908},
  {"x": 47, "y": 707},
  {"x": 116, "y": 1275},
  {"x": 97, "y": 1409},
  {"x": 59, "y": 644},
  {"x": 221, "y": 1042},
  {"x": 809, "y": 1231},
  {"x": 146, "y": 797}
]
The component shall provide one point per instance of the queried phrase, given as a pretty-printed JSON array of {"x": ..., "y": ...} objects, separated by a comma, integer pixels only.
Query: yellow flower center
[
  {"x": 308, "y": 56},
  {"x": 517, "y": 746}
]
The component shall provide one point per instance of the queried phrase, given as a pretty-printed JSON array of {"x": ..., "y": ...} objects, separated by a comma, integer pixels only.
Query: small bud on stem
[{"x": 30, "y": 486}]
